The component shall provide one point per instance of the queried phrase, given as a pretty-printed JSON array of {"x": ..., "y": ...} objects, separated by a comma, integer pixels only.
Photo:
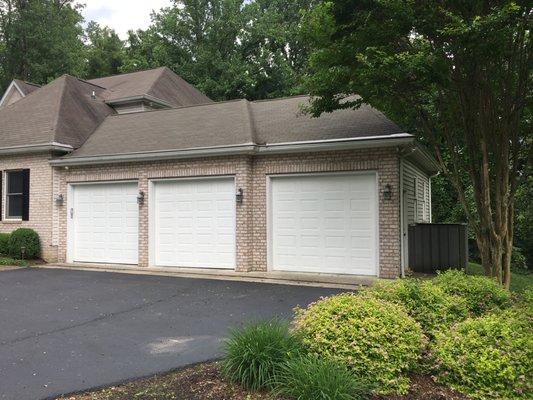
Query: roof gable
[
  {"x": 61, "y": 112},
  {"x": 160, "y": 83},
  {"x": 17, "y": 90}
]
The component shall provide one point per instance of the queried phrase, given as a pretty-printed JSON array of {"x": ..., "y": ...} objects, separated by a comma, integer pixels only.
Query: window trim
[{"x": 6, "y": 194}]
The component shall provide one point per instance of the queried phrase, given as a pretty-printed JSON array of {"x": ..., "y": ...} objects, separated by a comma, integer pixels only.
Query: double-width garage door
[
  {"x": 324, "y": 223},
  {"x": 104, "y": 223},
  {"x": 193, "y": 223}
]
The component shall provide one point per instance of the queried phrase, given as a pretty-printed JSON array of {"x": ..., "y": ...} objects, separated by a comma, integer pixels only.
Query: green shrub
[
  {"x": 374, "y": 338},
  {"x": 313, "y": 378},
  {"x": 27, "y": 238},
  {"x": 253, "y": 353},
  {"x": 481, "y": 293},
  {"x": 428, "y": 304},
  {"x": 4, "y": 243},
  {"x": 490, "y": 357}
]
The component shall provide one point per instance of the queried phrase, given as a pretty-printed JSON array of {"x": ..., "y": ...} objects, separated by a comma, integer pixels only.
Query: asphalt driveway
[{"x": 63, "y": 331}]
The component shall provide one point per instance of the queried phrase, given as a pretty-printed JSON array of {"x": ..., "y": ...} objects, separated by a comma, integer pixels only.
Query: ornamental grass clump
[
  {"x": 489, "y": 357},
  {"x": 254, "y": 352},
  {"x": 313, "y": 378},
  {"x": 428, "y": 304},
  {"x": 481, "y": 293},
  {"x": 375, "y": 339}
]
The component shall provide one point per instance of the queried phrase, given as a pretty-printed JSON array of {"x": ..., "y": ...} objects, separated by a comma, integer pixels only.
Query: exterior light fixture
[
  {"x": 387, "y": 192},
  {"x": 239, "y": 196},
  {"x": 140, "y": 198},
  {"x": 59, "y": 200}
]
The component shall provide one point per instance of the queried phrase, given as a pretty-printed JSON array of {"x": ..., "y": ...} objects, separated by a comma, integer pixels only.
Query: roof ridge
[
  {"x": 179, "y": 108},
  {"x": 128, "y": 73},
  {"x": 251, "y": 121},
  {"x": 89, "y": 83},
  {"x": 59, "y": 102},
  {"x": 28, "y": 83},
  {"x": 156, "y": 79},
  {"x": 281, "y": 98}
]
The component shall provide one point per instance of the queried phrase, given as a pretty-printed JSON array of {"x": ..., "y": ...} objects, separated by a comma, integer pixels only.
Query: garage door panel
[
  {"x": 324, "y": 223},
  {"x": 105, "y": 223},
  {"x": 197, "y": 217}
]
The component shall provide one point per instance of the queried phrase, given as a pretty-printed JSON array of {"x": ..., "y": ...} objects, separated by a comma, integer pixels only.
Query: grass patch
[
  {"x": 11, "y": 262},
  {"x": 519, "y": 282}
]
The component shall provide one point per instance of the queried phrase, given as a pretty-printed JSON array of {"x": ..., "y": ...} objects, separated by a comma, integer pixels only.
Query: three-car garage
[{"x": 315, "y": 223}]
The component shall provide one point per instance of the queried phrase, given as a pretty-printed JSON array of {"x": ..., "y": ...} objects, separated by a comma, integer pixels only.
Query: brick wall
[
  {"x": 41, "y": 181},
  {"x": 251, "y": 175}
]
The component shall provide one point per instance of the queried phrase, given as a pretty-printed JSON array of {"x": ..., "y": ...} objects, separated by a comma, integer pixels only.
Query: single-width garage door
[
  {"x": 194, "y": 223},
  {"x": 104, "y": 227},
  {"x": 324, "y": 223}
]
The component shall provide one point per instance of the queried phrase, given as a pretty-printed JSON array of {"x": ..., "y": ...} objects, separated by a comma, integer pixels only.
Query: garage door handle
[{"x": 71, "y": 213}]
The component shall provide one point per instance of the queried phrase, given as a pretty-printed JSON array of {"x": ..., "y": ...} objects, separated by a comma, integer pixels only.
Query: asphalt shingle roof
[
  {"x": 161, "y": 83},
  {"x": 66, "y": 112},
  {"x": 230, "y": 123}
]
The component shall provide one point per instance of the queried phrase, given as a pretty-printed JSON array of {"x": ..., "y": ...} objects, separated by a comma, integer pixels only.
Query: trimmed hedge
[
  {"x": 27, "y": 238},
  {"x": 377, "y": 340},
  {"x": 428, "y": 304},
  {"x": 481, "y": 293},
  {"x": 4, "y": 243},
  {"x": 489, "y": 357}
]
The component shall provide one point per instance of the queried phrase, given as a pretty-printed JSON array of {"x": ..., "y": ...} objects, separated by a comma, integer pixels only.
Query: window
[{"x": 14, "y": 194}]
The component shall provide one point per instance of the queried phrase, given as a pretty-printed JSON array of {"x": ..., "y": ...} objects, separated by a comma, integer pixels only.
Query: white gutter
[
  {"x": 243, "y": 149},
  {"x": 36, "y": 148}
]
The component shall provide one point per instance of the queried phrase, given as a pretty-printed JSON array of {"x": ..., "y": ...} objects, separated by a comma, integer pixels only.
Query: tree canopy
[{"x": 456, "y": 73}]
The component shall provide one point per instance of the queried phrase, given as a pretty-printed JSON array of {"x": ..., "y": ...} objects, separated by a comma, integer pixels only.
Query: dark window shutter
[
  {"x": 1, "y": 195},
  {"x": 26, "y": 195}
]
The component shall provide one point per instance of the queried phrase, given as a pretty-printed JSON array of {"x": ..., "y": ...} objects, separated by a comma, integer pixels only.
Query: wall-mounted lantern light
[
  {"x": 239, "y": 196},
  {"x": 387, "y": 192},
  {"x": 140, "y": 198},
  {"x": 59, "y": 200}
]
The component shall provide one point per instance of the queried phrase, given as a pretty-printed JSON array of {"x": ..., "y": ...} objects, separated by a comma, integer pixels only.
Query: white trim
[
  {"x": 269, "y": 177},
  {"x": 13, "y": 84},
  {"x": 152, "y": 224},
  {"x": 245, "y": 148},
  {"x": 4, "y": 202},
  {"x": 36, "y": 148},
  {"x": 70, "y": 252},
  {"x": 133, "y": 99},
  {"x": 402, "y": 218},
  {"x": 430, "y": 205}
]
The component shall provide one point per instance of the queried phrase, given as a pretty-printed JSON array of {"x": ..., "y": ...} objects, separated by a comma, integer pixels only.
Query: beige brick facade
[
  {"x": 251, "y": 174},
  {"x": 41, "y": 183}
]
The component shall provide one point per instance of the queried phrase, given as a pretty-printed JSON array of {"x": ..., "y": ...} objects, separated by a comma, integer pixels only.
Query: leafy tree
[
  {"x": 104, "y": 51},
  {"x": 40, "y": 40},
  {"x": 226, "y": 48},
  {"x": 459, "y": 73}
]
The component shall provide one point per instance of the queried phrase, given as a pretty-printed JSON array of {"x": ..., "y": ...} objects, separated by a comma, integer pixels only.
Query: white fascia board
[
  {"x": 244, "y": 149},
  {"x": 12, "y": 85},
  {"x": 36, "y": 148}
]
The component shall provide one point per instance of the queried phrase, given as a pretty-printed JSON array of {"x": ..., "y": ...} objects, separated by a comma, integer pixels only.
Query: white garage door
[
  {"x": 324, "y": 223},
  {"x": 194, "y": 223},
  {"x": 104, "y": 223}
]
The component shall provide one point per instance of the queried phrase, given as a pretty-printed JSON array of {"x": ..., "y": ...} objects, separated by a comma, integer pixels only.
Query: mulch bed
[{"x": 203, "y": 382}]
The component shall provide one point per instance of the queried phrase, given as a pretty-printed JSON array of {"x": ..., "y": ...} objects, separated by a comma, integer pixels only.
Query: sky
[{"x": 121, "y": 15}]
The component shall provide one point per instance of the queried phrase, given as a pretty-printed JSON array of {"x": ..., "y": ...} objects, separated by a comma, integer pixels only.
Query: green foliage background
[{"x": 253, "y": 49}]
